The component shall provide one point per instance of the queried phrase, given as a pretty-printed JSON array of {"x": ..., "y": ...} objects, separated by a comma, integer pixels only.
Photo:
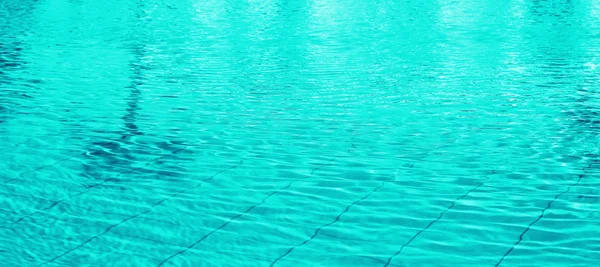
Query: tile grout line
[
  {"x": 548, "y": 206},
  {"x": 389, "y": 260},
  {"x": 452, "y": 204},
  {"x": 262, "y": 201},
  {"x": 19, "y": 144},
  {"x": 20, "y": 177},
  {"x": 338, "y": 217},
  {"x": 108, "y": 229},
  {"x": 91, "y": 187}
]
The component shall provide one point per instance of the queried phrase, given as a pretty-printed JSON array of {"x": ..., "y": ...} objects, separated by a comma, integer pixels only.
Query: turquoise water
[{"x": 299, "y": 133}]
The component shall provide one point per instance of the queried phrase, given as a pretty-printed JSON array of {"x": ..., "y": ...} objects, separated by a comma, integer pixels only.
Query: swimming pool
[{"x": 299, "y": 133}]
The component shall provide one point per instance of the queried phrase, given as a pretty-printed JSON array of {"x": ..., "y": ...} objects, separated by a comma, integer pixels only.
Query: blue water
[{"x": 299, "y": 133}]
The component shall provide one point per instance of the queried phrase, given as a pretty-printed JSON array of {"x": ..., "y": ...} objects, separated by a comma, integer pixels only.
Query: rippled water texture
[{"x": 299, "y": 133}]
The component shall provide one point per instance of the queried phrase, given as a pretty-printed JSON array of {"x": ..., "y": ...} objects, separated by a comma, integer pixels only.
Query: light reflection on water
[{"x": 299, "y": 133}]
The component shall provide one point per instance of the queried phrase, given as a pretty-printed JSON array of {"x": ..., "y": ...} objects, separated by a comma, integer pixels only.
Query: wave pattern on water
[{"x": 299, "y": 133}]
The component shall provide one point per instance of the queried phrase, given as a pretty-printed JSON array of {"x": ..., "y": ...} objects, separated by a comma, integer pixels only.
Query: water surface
[{"x": 299, "y": 133}]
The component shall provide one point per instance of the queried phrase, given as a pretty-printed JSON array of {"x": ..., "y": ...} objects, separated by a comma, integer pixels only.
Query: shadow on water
[
  {"x": 15, "y": 20},
  {"x": 119, "y": 155},
  {"x": 561, "y": 59},
  {"x": 9, "y": 60}
]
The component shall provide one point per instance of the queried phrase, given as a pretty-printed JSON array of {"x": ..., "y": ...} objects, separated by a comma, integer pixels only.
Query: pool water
[{"x": 299, "y": 133}]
